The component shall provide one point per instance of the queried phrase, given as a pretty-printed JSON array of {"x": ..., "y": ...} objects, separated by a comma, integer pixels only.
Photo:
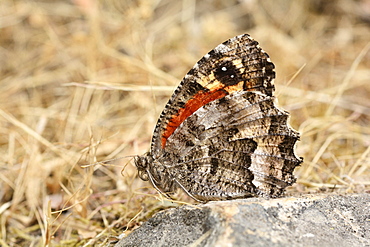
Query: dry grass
[{"x": 85, "y": 81}]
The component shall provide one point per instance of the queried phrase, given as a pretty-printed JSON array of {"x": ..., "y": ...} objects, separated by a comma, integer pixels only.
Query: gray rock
[{"x": 310, "y": 220}]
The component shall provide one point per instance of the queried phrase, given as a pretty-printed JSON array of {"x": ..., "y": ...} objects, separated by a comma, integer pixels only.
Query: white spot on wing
[{"x": 222, "y": 48}]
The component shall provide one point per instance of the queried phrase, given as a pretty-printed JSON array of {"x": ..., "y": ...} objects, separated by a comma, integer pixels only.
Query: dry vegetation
[{"x": 84, "y": 81}]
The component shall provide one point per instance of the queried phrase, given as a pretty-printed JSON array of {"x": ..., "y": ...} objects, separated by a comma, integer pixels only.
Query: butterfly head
[
  {"x": 151, "y": 169},
  {"x": 142, "y": 164}
]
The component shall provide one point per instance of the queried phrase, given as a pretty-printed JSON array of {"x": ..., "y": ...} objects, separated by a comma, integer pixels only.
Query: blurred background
[{"x": 83, "y": 81}]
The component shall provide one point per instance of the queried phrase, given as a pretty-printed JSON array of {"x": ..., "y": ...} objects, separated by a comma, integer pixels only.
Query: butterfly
[{"x": 221, "y": 135}]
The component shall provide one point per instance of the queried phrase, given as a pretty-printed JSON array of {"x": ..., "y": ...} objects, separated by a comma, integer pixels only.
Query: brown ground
[{"x": 84, "y": 81}]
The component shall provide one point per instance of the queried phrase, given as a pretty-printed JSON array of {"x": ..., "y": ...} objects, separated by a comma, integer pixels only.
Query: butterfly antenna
[{"x": 104, "y": 162}]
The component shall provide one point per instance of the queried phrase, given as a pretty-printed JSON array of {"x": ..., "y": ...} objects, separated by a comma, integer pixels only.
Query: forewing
[{"x": 238, "y": 64}]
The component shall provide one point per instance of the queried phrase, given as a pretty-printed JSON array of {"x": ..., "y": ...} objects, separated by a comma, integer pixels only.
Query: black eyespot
[{"x": 227, "y": 74}]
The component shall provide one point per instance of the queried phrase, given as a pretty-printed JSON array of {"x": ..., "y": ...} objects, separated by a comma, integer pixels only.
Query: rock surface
[{"x": 310, "y": 220}]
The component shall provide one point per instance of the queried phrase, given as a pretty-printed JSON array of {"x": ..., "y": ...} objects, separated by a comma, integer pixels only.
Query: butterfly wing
[
  {"x": 220, "y": 135},
  {"x": 238, "y": 64},
  {"x": 234, "y": 147}
]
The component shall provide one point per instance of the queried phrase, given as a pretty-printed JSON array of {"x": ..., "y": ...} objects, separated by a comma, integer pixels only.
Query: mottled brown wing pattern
[
  {"x": 221, "y": 136},
  {"x": 238, "y": 64},
  {"x": 232, "y": 148}
]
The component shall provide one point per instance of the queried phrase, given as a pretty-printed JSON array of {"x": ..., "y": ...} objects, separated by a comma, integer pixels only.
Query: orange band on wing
[{"x": 199, "y": 100}]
